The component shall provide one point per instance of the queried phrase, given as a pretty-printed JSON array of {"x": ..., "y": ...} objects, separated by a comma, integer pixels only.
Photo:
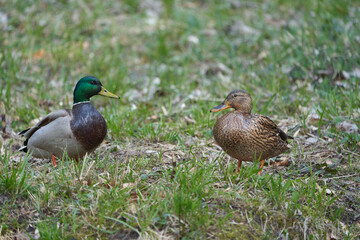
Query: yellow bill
[{"x": 106, "y": 93}]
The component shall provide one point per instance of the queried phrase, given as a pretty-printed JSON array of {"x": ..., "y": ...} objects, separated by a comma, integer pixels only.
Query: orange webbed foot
[
  {"x": 239, "y": 166},
  {"x": 53, "y": 159},
  {"x": 262, "y": 162}
]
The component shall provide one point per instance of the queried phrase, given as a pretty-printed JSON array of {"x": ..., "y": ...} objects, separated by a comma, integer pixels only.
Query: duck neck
[
  {"x": 243, "y": 111},
  {"x": 244, "y": 107},
  {"x": 79, "y": 97},
  {"x": 78, "y": 103}
]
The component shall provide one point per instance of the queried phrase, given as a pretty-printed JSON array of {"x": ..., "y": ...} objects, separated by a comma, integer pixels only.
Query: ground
[{"x": 159, "y": 174}]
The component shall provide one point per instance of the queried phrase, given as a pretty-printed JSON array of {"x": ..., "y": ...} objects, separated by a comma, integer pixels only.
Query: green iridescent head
[{"x": 89, "y": 86}]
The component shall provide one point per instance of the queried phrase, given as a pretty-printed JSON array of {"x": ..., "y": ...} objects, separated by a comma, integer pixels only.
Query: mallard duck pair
[
  {"x": 81, "y": 130},
  {"x": 77, "y": 131},
  {"x": 246, "y": 136}
]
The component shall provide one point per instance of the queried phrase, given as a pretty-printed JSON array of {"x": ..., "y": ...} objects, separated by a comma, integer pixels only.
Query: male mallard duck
[
  {"x": 77, "y": 131},
  {"x": 246, "y": 136}
]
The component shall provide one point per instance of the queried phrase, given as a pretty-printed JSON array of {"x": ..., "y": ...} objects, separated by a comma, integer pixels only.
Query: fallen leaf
[
  {"x": 283, "y": 163},
  {"x": 134, "y": 196},
  {"x": 312, "y": 140},
  {"x": 3, "y": 20},
  {"x": 239, "y": 27},
  {"x": 145, "y": 94},
  {"x": 150, "y": 152},
  {"x": 214, "y": 69},
  {"x": 328, "y": 162},
  {"x": 329, "y": 192},
  {"x": 344, "y": 228},
  {"x": 355, "y": 73},
  {"x": 36, "y": 234},
  {"x": 132, "y": 208},
  {"x": 193, "y": 40},
  {"x": 35, "y": 121},
  {"x": 85, "y": 45},
  {"x": 313, "y": 116},
  {"x": 128, "y": 185},
  {"x": 209, "y": 32},
  {"x": 112, "y": 183},
  {"x": 21, "y": 236},
  {"x": 331, "y": 236},
  {"x": 5, "y": 126},
  {"x": 347, "y": 126},
  {"x": 39, "y": 54},
  {"x": 189, "y": 120},
  {"x": 164, "y": 110},
  {"x": 153, "y": 117}
]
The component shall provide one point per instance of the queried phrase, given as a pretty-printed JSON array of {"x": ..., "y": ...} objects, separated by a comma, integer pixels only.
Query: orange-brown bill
[{"x": 221, "y": 107}]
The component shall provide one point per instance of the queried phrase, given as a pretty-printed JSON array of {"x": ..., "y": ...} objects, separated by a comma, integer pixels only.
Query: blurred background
[
  {"x": 171, "y": 61},
  {"x": 167, "y": 56}
]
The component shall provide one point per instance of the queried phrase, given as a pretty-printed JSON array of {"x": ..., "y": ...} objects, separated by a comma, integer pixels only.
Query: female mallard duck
[
  {"x": 247, "y": 136},
  {"x": 77, "y": 131}
]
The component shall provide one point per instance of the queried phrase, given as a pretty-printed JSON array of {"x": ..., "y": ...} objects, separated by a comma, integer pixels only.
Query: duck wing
[
  {"x": 266, "y": 124},
  {"x": 45, "y": 121}
]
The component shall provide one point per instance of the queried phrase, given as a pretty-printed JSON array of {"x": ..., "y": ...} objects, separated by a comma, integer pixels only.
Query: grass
[{"x": 159, "y": 173}]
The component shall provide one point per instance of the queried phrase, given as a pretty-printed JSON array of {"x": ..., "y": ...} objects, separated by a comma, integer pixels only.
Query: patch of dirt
[
  {"x": 348, "y": 203},
  {"x": 124, "y": 235}
]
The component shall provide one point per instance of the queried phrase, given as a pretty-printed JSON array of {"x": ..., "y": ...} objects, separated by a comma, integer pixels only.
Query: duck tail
[
  {"x": 24, "y": 148},
  {"x": 23, "y": 132}
]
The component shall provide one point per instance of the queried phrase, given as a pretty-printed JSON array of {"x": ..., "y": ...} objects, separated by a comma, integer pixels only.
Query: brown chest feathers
[
  {"x": 249, "y": 136},
  {"x": 88, "y": 126}
]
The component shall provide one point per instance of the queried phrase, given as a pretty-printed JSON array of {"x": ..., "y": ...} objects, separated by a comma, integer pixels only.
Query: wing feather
[
  {"x": 268, "y": 124},
  {"x": 45, "y": 121}
]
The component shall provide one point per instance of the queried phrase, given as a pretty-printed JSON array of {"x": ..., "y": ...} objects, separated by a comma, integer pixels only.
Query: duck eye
[{"x": 93, "y": 82}]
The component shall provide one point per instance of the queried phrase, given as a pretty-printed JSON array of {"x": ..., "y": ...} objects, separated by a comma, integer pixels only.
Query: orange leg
[
  {"x": 239, "y": 166},
  {"x": 53, "y": 160},
  {"x": 262, "y": 162}
]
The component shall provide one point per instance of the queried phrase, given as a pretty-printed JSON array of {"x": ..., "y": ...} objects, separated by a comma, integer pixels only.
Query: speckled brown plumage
[{"x": 245, "y": 136}]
